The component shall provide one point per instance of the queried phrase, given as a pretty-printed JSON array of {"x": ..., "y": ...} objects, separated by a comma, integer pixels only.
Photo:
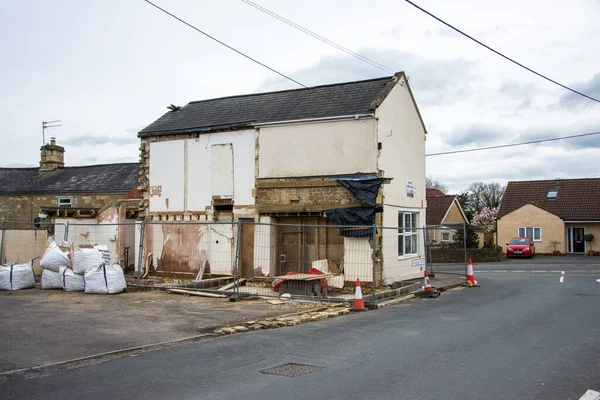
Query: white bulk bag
[
  {"x": 17, "y": 276},
  {"x": 71, "y": 282},
  {"x": 84, "y": 259},
  {"x": 51, "y": 279},
  {"x": 54, "y": 258},
  {"x": 105, "y": 279},
  {"x": 104, "y": 253}
]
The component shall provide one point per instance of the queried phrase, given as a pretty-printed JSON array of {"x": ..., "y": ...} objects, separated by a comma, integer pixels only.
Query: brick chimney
[{"x": 53, "y": 156}]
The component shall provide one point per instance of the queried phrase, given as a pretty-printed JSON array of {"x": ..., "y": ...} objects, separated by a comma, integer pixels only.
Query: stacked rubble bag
[
  {"x": 17, "y": 276},
  {"x": 87, "y": 270},
  {"x": 54, "y": 262}
]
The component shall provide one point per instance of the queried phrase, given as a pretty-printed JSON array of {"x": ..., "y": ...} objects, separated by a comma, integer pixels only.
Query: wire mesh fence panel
[
  {"x": 117, "y": 239},
  {"x": 402, "y": 257},
  {"x": 190, "y": 249},
  {"x": 25, "y": 241},
  {"x": 446, "y": 250},
  {"x": 314, "y": 259}
]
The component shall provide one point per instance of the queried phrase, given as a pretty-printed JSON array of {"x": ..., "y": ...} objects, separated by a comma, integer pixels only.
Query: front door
[{"x": 578, "y": 242}]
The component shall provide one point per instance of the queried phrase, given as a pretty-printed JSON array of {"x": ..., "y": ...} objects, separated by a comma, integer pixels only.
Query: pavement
[{"x": 46, "y": 329}]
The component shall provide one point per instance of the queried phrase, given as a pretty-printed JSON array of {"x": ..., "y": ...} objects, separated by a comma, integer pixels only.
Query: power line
[
  {"x": 512, "y": 144},
  {"x": 226, "y": 45},
  {"x": 241, "y": 53},
  {"x": 500, "y": 54},
  {"x": 321, "y": 38}
]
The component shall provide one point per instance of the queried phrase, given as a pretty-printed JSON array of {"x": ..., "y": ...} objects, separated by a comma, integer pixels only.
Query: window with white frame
[
  {"x": 408, "y": 235},
  {"x": 445, "y": 237},
  {"x": 65, "y": 202},
  {"x": 532, "y": 232}
]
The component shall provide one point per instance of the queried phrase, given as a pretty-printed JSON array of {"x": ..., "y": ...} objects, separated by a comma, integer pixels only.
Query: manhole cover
[{"x": 290, "y": 369}]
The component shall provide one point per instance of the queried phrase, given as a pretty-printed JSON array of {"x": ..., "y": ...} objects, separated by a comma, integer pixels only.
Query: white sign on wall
[
  {"x": 418, "y": 263},
  {"x": 410, "y": 189}
]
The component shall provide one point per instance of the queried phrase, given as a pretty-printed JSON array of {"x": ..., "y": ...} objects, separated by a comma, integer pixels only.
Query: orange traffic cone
[
  {"x": 359, "y": 305},
  {"x": 471, "y": 282},
  {"x": 427, "y": 287}
]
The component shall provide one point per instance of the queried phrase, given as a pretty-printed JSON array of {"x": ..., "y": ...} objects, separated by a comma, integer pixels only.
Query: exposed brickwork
[
  {"x": 27, "y": 208},
  {"x": 305, "y": 198}
]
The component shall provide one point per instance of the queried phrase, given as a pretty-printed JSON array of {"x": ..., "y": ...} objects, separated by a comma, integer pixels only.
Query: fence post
[
  {"x": 66, "y": 236},
  {"x": 141, "y": 253},
  {"x": 465, "y": 247},
  {"x": 428, "y": 262},
  {"x": 236, "y": 271},
  {"x": 374, "y": 256},
  {"x": 2, "y": 243}
]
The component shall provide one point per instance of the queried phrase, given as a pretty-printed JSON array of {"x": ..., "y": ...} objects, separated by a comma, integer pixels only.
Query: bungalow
[
  {"x": 34, "y": 198},
  {"x": 443, "y": 211},
  {"x": 555, "y": 214}
]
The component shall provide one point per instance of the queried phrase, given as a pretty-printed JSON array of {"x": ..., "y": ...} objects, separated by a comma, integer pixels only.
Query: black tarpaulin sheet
[
  {"x": 364, "y": 190},
  {"x": 356, "y": 217}
]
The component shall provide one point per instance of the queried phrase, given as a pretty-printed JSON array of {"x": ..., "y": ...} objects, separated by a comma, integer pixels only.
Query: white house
[{"x": 342, "y": 154}]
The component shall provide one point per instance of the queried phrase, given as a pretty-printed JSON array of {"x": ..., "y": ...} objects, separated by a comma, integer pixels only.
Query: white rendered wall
[
  {"x": 318, "y": 148},
  {"x": 168, "y": 170},
  {"x": 402, "y": 158},
  {"x": 166, "y": 176}
]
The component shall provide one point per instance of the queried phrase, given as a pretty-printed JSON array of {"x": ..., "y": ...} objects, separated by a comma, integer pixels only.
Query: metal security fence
[
  {"x": 312, "y": 259},
  {"x": 24, "y": 241},
  {"x": 119, "y": 239},
  {"x": 446, "y": 244}
]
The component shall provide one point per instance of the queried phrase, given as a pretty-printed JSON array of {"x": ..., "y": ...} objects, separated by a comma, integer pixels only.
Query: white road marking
[
  {"x": 562, "y": 278},
  {"x": 598, "y": 280}
]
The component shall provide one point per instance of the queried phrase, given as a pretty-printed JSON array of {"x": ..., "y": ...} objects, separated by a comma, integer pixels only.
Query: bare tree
[
  {"x": 484, "y": 195},
  {"x": 430, "y": 183}
]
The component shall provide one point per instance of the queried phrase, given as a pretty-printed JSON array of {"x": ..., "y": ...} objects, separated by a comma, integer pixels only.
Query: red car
[{"x": 520, "y": 247}]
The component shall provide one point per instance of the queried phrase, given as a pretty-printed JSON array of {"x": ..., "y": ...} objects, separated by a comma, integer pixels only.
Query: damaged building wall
[
  {"x": 318, "y": 148},
  {"x": 402, "y": 157},
  {"x": 187, "y": 178},
  {"x": 302, "y": 194},
  {"x": 182, "y": 248},
  {"x": 185, "y": 175}
]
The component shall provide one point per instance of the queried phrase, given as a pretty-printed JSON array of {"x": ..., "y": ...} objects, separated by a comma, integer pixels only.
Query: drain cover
[{"x": 290, "y": 370}]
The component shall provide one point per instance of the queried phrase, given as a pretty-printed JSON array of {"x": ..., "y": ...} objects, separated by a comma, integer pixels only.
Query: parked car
[{"x": 520, "y": 247}]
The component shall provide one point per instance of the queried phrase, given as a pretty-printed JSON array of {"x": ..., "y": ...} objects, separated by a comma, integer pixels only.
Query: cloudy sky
[{"x": 108, "y": 68}]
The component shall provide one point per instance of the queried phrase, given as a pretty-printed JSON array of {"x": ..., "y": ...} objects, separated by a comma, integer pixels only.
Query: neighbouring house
[
  {"x": 444, "y": 214},
  {"x": 347, "y": 153},
  {"x": 555, "y": 214},
  {"x": 34, "y": 199}
]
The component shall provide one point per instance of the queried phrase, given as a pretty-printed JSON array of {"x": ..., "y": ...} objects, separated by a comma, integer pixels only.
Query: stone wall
[
  {"x": 298, "y": 195},
  {"x": 26, "y": 208}
]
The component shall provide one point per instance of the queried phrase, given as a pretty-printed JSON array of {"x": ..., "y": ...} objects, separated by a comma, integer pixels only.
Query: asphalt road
[
  {"x": 544, "y": 264},
  {"x": 518, "y": 336}
]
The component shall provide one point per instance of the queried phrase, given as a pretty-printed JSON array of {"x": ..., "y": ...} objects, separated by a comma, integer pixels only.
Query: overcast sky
[{"x": 108, "y": 68}]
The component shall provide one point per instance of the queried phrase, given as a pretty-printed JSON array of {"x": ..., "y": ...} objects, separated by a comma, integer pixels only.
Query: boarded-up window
[{"x": 222, "y": 170}]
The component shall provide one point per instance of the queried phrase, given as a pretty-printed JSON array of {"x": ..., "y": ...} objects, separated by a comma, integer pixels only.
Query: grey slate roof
[
  {"x": 109, "y": 178},
  {"x": 333, "y": 100}
]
